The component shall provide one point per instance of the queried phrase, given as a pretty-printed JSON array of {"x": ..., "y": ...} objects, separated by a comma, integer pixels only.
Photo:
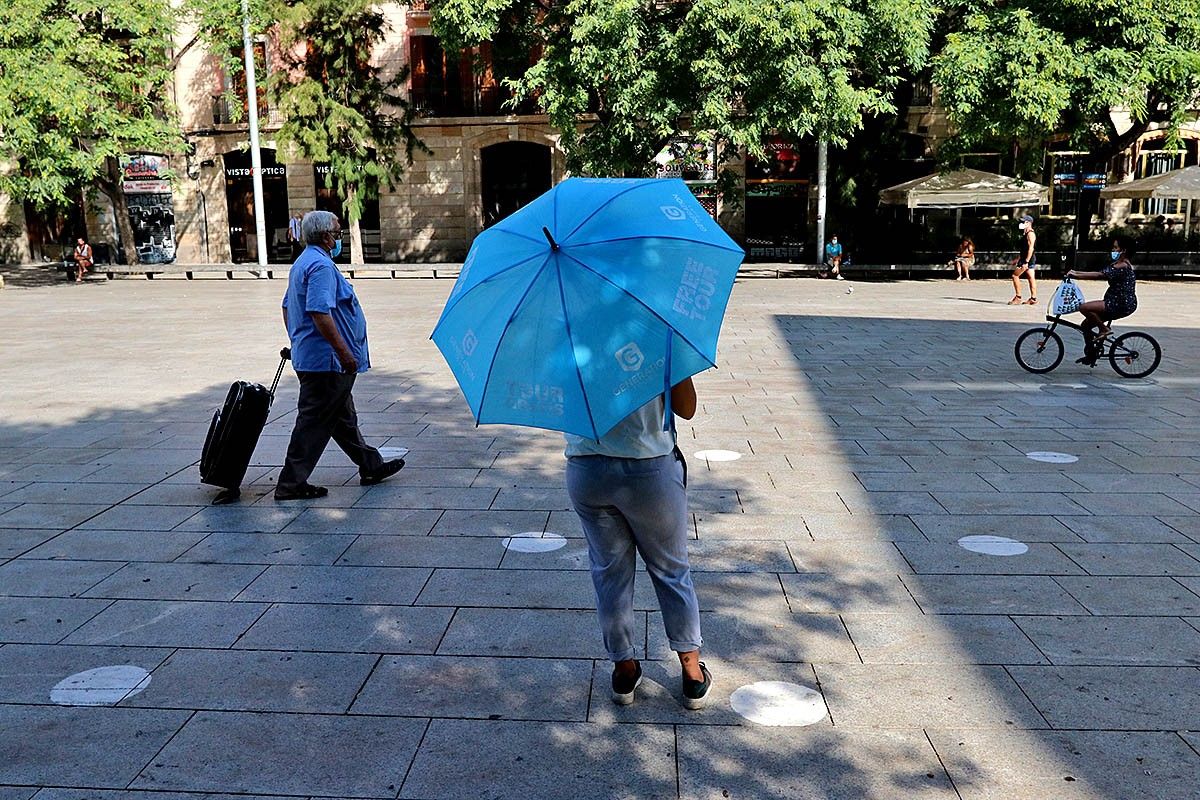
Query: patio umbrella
[
  {"x": 1178, "y": 184},
  {"x": 587, "y": 303},
  {"x": 965, "y": 188}
]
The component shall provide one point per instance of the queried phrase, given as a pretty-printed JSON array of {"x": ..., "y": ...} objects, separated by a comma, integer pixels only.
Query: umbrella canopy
[
  {"x": 965, "y": 188},
  {"x": 1183, "y": 184},
  {"x": 587, "y": 303}
]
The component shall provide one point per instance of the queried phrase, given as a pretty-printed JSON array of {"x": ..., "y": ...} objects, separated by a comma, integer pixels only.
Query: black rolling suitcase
[{"x": 234, "y": 433}]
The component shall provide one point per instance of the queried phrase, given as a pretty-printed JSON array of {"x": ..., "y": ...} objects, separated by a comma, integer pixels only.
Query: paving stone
[
  {"x": 161, "y": 623},
  {"x": 341, "y": 584},
  {"x": 861, "y": 502},
  {"x": 490, "y": 523},
  {"x": 763, "y": 527},
  {"x": 1123, "y": 529},
  {"x": 1030, "y": 482},
  {"x": 1143, "y": 641},
  {"x": 420, "y": 497},
  {"x": 142, "y": 518},
  {"x": 830, "y": 764},
  {"x": 47, "y": 515},
  {"x": 244, "y": 680},
  {"x": 411, "y": 522},
  {"x": 268, "y": 548},
  {"x": 122, "y": 546},
  {"x": 991, "y": 594},
  {"x": 1132, "y": 559},
  {"x": 914, "y": 696},
  {"x": 1129, "y": 503},
  {"x": 469, "y": 758},
  {"x": 716, "y": 555},
  {"x": 913, "y": 638},
  {"x": 1071, "y": 765},
  {"x": 542, "y": 633},
  {"x": 74, "y": 493},
  {"x": 348, "y": 629},
  {"x": 938, "y": 558},
  {"x": 17, "y": 542},
  {"x": 1113, "y": 698},
  {"x": 24, "y": 577},
  {"x": 951, "y": 528},
  {"x": 1152, "y": 596},
  {"x": 286, "y": 754},
  {"x": 480, "y": 688},
  {"x": 1016, "y": 504},
  {"x": 659, "y": 697},
  {"x": 29, "y": 671},
  {"x": 16, "y": 792},
  {"x": 764, "y": 636},
  {"x": 565, "y": 523},
  {"x": 573, "y": 555},
  {"x": 176, "y": 581},
  {"x": 830, "y": 556},
  {"x": 424, "y": 551},
  {"x": 925, "y": 482},
  {"x": 44, "y": 620},
  {"x": 860, "y": 527},
  {"x": 99, "y": 747},
  {"x": 515, "y": 589},
  {"x": 241, "y": 519},
  {"x": 1120, "y": 483},
  {"x": 854, "y": 591}
]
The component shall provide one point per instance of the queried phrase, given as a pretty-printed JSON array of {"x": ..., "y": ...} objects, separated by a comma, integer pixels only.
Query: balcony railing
[{"x": 485, "y": 101}]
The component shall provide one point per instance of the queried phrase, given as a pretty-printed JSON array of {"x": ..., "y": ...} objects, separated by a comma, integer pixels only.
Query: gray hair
[{"x": 316, "y": 224}]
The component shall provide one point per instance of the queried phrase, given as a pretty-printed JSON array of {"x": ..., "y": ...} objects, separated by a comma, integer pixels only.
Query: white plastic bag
[{"x": 1067, "y": 298}]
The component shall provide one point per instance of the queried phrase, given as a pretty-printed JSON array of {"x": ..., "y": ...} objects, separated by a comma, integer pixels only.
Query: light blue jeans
[{"x": 630, "y": 505}]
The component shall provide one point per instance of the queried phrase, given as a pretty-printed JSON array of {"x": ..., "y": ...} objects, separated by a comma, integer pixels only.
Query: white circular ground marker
[
  {"x": 718, "y": 455},
  {"x": 993, "y": 545},
  {"x": 779, "y": 704},
  {"x": 103, "y": 686},
  {"x": 393, "y": 452},
  {"x": 1050, "y": 457},
  {"x": 535, "y": 542}
]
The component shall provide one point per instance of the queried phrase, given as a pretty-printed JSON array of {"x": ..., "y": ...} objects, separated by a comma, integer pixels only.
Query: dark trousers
[{"x": 326, "y": 410}]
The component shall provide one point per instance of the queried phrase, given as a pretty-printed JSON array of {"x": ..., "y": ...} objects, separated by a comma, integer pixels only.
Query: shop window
[{"x": 1157, "y": 162}]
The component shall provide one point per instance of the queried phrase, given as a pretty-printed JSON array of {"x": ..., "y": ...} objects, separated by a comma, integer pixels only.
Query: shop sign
[
  {"x": 1094, "y": 181},
  {"x": 246, "y": 172},
  {"x": 145, "y": 174},
  {"x": 781, "y": 162},
  {"x": 687, "y": 157}
]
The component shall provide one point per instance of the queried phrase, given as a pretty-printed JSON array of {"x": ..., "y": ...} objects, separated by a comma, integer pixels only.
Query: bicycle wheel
[
  {"x": 1039, "y": 350},
  {"x": 1134, "y": 354}
]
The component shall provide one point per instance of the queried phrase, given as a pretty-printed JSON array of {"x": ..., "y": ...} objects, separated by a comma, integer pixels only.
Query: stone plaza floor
[{"x": 384, "y": 642}]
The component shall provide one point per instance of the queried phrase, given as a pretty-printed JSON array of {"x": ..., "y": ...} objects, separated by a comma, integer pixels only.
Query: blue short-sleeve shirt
[{"x": 315, "y": 284}]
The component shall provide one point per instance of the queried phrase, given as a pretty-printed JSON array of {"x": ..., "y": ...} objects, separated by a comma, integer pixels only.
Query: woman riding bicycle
[{"x": 1119, "y": 301}]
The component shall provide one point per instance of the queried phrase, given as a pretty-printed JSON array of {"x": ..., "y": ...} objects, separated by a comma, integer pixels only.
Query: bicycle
[{"x": 1132, "y": 355}]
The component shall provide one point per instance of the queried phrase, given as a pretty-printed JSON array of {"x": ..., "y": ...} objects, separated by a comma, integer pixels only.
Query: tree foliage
[
  {"x": 650, "y": 69},
  {"x": 339, "y": 106},
  {"x": 1021, "y": 72},
  {"x": 82, "y": 82}
]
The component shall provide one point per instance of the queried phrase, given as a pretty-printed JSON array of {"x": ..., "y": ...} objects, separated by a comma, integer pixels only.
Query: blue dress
[{"x": 1121, "y": 298}]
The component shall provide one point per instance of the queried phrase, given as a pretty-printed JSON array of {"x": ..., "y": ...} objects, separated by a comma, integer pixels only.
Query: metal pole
[
  {"x": 822, "y": 175},
  {"x": 260, "y": 224}
]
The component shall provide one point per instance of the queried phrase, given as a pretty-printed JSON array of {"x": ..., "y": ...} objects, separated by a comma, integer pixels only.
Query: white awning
[
  {"x": 965, "y": 188},
  {"x": 1182, "y": 184}
]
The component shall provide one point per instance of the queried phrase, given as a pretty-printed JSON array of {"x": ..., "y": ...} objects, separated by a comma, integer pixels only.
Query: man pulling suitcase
[{"x": 328, "y": 333}]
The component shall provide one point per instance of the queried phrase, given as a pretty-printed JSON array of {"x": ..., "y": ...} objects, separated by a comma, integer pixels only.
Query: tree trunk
[
  {"x": 113, "y": 186},
  {"x": 356, "y": 241}
]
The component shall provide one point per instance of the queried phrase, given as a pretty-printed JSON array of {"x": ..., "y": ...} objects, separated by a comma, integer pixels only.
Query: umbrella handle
[
  {"x": 550, "y": 239},
  {"x": 668, "y": 415}
]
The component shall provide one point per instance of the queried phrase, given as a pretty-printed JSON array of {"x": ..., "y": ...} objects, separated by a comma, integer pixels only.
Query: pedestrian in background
[
  {"x": 1026, "y": 264},
  {"x": 295, "y": 235},
  {"x": 83, "y": 258},
  {"x": 833, "y": 257},
  {"x": 328, "y": 333},
  {"x": 964, "y": 259},
  {"x": 629, "y": 490}
]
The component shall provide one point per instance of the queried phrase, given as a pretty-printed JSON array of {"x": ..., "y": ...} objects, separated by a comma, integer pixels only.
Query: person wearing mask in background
[
  {"x": 964, "y": 259},
  {"x": 1026, "y": 264},
  {"x": 83, "y": 258},
  {"x": 833, "y": 258},
  {"x": 1119, "y": 301},
  {"x": 328, "y": 333}
]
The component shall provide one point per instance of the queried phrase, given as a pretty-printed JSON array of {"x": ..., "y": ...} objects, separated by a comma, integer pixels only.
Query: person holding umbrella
[
  {"x": 588, "y": 311},
  {"x": 629, "y": 490}
]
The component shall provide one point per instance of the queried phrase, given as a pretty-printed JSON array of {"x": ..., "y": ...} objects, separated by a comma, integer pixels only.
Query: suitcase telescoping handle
[{"x": 284, "y": 356}]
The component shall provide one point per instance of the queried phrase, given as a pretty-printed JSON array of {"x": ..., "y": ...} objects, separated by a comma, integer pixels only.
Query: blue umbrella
[{"x": 587, "y": 303}]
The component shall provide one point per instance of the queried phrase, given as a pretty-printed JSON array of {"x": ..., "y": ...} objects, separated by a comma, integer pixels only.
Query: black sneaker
[
  {"x": 386, "y": 471},
  {"x": 623, "y": 687},
  {"x": 695, "y": 693},
  {"x": 305, "y": 491}
]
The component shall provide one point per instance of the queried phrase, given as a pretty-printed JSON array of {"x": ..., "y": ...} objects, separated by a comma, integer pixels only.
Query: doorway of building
[
  {"x": 512, "y": 174},
  {"x": 239, "y": 193},
  {"x": 327, "y": 200}
]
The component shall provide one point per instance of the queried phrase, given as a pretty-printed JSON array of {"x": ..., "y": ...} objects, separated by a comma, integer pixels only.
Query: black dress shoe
[
  {"x": 305, "y": 491},
  {"x": 388, "y": 469}
]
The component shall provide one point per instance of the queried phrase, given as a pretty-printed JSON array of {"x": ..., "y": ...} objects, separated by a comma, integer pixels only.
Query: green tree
[
  {"x": 1014, "y": 75},
  {"x": 82, "y": 83},
  {"x": 339, "y": 106},
  {"x": 647, "y": 70}
]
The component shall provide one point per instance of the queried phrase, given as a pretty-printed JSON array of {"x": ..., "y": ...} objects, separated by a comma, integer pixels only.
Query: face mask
[
  {"x": 1116, "y": 254},
  {"x": 337, "y": 249}
]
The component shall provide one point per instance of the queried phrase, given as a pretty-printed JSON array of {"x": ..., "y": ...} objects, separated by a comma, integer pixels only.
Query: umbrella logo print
[
  {"x": 469, "y": 342},
  {"x": 673, "y": 212},
  {"x": 630, "y": 357}
]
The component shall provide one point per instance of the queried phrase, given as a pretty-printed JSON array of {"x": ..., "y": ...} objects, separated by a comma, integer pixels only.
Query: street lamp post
[{"x": 260, "y": 224}]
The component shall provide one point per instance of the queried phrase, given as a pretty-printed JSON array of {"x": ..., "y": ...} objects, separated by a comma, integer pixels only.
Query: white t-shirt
[{"x": 640, "y": 435}]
